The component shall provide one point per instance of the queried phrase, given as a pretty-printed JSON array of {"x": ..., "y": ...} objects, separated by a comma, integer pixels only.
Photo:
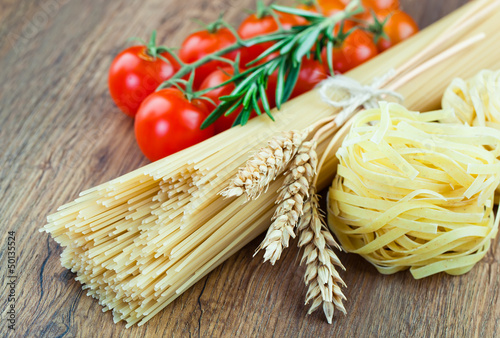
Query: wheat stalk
[
  {"x": 265, "y": 165},
  {"x": 321, "y": 277},
  {"x": 291, "y": 201}
]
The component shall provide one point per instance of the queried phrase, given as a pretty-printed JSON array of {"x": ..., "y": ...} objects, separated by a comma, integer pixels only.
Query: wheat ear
[
  {"x": 321, "y": 277},
  {"x": 291, "y": 201},
  {"x": 265, "y": 165}
]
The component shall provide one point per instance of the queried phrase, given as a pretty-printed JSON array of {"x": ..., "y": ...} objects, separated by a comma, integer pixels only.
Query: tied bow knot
[{"x": 356, "y": 94}]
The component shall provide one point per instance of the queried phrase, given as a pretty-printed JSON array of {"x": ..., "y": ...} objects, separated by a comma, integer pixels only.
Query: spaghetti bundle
[
  {"x": 414, "y": 193},
  {"x": 139, "y": 241}
]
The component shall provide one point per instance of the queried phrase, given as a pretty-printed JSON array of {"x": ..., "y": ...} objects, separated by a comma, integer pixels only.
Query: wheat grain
[
  {"x": 321, "y": 277},
  {"x": 265, "y": 165},
  {"x": 291, "y": 201}
]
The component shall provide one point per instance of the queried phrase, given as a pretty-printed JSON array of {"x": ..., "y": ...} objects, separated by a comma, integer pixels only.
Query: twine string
[{"x": 355, "y": 95}]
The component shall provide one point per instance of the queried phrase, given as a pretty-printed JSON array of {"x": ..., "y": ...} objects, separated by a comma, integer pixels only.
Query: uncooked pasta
[
  {"x": 476, "y": 101},
  {"x": 137, "y": 242},
  {"x": 411, "y": 192}
]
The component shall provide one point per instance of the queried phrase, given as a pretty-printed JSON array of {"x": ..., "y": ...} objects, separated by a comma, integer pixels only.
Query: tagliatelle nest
[
  {"x": 414, "y": 193},
  {"x": 476, "y": 101}
]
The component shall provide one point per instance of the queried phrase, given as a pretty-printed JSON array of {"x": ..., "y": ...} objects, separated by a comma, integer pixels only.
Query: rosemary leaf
[
  {"x": 218, "y": 112},
  {"x": 295, "y": 11},
  {"x": 265, "y": 102},
  {"x": 291, "y": 80},
  {"x": 249, "y": 94},
  {"x": 255, "y": 103},
  {"x": 307, "y": 43},
  {"x": 329, "y": 55},
  {"x": 234, "y": 107},
  {"x": 245, "y": 115},
  {"x": 273, "y": 65},
  {"x": 280, "y": 83},
  {"x": 238, "y": 119},
  {"x": 274, "y": 48},
  {"x": 247, "y": 82},
  {"x": 291, "y": 43}
]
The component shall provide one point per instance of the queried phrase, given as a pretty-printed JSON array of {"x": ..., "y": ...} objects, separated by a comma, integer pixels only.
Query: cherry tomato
[
  {"x": 305, "y": 7},
  {"x": 378, "y": 5},
  {"x": 310, "y": 7},
  {"x": 311, "y": 73},
  {"x": 254, "y": 26},
  {"x": 202, "y": 43},
  {"x": 357, "y": 48},
  {"x": 167, "y": 122},
  {"x": 400, "y": 26},
  {"x": 134, "y": 74},
  {"x": 331, "y": 7},
  {"x": 214, "y": 79},
  {"x": 371, "y": 6}
]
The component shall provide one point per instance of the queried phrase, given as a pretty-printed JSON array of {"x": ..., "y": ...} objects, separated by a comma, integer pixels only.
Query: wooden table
[{"x": 61, "y": 133}]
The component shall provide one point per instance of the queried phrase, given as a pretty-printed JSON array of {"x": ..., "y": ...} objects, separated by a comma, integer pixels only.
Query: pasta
[
  {"x": 137, "y": 242},
  {"x": 414, "y": 193},
  {"x": 476, "y": 101}
]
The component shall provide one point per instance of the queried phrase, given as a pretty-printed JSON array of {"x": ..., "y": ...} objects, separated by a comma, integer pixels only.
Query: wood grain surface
[{"x": 60, "y": 133}]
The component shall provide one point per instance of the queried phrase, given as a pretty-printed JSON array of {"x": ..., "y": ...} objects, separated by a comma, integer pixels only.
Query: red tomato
[
  {"x": 254, "y": 26},
  {"x": 134, "y": 74},
  {"x": 378, "y": 5},
  {"x": 305, "y": 7},
  {"x": 399, "y": 27},
  {"x": 371, "y": 5},
  {"x": 202, "y": 43},
  {"x": 308, "y": 7},
  {"x": 214, "y": 79},
  {"x": 357, "y": 48},
  {"x": 311, "y": 73},
  {"x": 167, "y": 123},
  {"x": 331, "y": 7}
]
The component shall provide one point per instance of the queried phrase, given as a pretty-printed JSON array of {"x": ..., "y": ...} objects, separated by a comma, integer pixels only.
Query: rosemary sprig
[{"x": 290, "y": 46}]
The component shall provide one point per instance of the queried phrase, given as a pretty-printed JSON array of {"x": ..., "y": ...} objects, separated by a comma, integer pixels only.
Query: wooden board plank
[{"x": 60, "y": 133}]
